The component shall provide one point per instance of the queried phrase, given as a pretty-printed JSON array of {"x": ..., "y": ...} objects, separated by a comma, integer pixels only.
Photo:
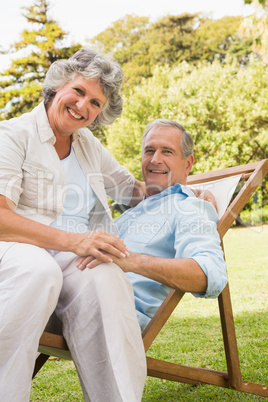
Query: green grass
[
  {"x": 193, "y": 334},
  {"x": 255, "y": 216}
]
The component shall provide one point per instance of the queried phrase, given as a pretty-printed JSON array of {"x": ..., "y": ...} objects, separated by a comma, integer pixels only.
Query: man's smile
[{"x": 158, "y": 171}]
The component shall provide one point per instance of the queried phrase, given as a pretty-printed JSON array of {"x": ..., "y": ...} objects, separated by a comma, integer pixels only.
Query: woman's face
[{"x": 75, "y": 105}]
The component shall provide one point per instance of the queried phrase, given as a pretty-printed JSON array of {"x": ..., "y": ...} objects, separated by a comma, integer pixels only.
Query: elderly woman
[{"x": 54, "y": 180}]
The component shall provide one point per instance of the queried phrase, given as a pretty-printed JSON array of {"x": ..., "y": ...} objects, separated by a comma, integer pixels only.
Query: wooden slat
[
  {"x": 160, "y": 317},
  {"x": 40, "y": 361},
  {"x": 253, "y": 388},
  {"x": 177, "y": 372},
  {"x": 54, "y": 341},
  {"x": 227, "y": 172},
  {"x": 185, "y": 374},
  {"x": 229, "y": 338},
  {"x": 241, "y": 199}
]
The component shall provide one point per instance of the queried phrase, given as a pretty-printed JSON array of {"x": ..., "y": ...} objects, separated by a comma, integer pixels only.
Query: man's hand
[
  {"x": 205, "y": 195},
  {"x": 127, "y": 264}
]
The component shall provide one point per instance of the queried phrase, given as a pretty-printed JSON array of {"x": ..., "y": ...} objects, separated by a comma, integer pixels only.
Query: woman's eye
[
  {"x": 95, "y": 103},
  {"x": 79, "y": 91}
]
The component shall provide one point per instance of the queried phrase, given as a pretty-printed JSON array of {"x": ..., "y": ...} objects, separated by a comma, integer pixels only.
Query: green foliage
[
  {"x": 263, "y": 3},
  {"x": 220, "y": 39},
  {"x": 139, "y": 45},
  {"x": 172, "y": 39},
  {"x": 255, "y": 211},
  {"x": 21, "y": 84},
  {"x": 126, "y": 40},
  {"x": 224, "y": 106},
  {"x": 122, "y": 36},
  {"x": 168, "y": 73}
]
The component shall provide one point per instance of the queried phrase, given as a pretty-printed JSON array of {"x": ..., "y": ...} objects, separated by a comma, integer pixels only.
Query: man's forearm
[{"x": 184, "y": 274}]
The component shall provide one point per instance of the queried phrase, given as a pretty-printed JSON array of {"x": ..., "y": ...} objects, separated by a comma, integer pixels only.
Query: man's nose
[{"x": 157, "y": 157}]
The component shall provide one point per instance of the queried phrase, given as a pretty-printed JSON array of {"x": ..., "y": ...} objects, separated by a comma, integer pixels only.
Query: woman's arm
[
  {"x": 16, "y": 228},
  {"x": 205, "y": 195}
]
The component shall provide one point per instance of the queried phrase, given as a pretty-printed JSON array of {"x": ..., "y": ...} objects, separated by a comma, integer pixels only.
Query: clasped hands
[{"x": 97, "y": 247}]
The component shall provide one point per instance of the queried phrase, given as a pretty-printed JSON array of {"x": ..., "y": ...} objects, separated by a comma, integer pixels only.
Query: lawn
[{"x": 193, "y": 334}]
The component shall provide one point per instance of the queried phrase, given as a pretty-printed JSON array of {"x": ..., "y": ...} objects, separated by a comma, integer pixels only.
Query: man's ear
[{"x": 189, "y": 165}]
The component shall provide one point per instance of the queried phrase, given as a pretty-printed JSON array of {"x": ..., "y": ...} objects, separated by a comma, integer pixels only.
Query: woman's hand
[
  {"x": 101, "y": 246},
  {"x": 205, "y": 195},
  {"x": 88, "y": 262}
]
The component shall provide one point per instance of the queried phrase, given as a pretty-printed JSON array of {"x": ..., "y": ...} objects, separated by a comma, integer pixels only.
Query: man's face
[{"x": 162, "y": 162}]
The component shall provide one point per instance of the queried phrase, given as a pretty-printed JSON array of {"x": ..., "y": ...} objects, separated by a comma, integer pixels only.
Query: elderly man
[{"x": 172, "y": 235}]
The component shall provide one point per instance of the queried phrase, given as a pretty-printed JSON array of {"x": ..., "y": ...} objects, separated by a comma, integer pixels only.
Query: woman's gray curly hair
[{"x": 92, "y": 65}]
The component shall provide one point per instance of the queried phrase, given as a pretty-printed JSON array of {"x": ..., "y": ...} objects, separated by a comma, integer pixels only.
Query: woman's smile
[{"x": 75, "y": 115}]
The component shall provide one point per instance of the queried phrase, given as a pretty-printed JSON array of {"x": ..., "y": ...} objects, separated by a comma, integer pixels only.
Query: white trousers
[{"x": 97, "y": 311}]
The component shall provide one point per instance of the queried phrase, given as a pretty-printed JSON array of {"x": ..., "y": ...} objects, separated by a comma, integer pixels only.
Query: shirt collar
[
  {"x": 176, "y": 188},
  {"x": 44, "y": 129}
]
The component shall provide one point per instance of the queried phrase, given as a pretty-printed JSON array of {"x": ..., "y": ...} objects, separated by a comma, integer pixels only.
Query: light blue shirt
[
  {"x": 79, "y": 198},
  {"x": 172, "y": 224}
]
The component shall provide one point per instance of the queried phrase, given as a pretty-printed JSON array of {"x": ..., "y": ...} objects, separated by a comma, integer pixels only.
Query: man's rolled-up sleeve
[{"x": 197, "y": 238}]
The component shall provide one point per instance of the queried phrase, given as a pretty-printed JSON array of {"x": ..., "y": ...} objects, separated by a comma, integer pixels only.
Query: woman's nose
[{"x": 81, "y": 103}]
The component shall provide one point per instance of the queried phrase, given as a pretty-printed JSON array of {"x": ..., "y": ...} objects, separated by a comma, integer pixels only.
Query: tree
[
  {"x": 139, "y": 45},
  {"x": 21, "y": 84},
  {"x": 126, "y": 40},
  {"x": 121, "y": 37},
  {"x": 218, "y": 39},
  {"x": 263, "y": 3},
  {"x": 255, "y": 27},
  {"x": 172, "y": 39}
]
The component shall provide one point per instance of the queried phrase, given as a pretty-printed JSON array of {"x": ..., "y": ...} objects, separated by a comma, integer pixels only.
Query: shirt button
[{"x": 133, "y": 215}]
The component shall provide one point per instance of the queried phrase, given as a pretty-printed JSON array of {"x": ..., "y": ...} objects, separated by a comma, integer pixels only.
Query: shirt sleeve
[
  {"x": 119, "y": 183},
  {"x": 196, "y": 237},
  {"x": 11, "y": 160}
]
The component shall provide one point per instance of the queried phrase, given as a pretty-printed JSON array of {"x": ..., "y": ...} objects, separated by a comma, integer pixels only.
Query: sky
[{"x": 84, "y": 19}]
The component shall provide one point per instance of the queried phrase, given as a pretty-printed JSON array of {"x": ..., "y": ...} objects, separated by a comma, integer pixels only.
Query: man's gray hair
[
  {"x": 187, "y": 144},
  {"x": 92, "y": 65}
]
